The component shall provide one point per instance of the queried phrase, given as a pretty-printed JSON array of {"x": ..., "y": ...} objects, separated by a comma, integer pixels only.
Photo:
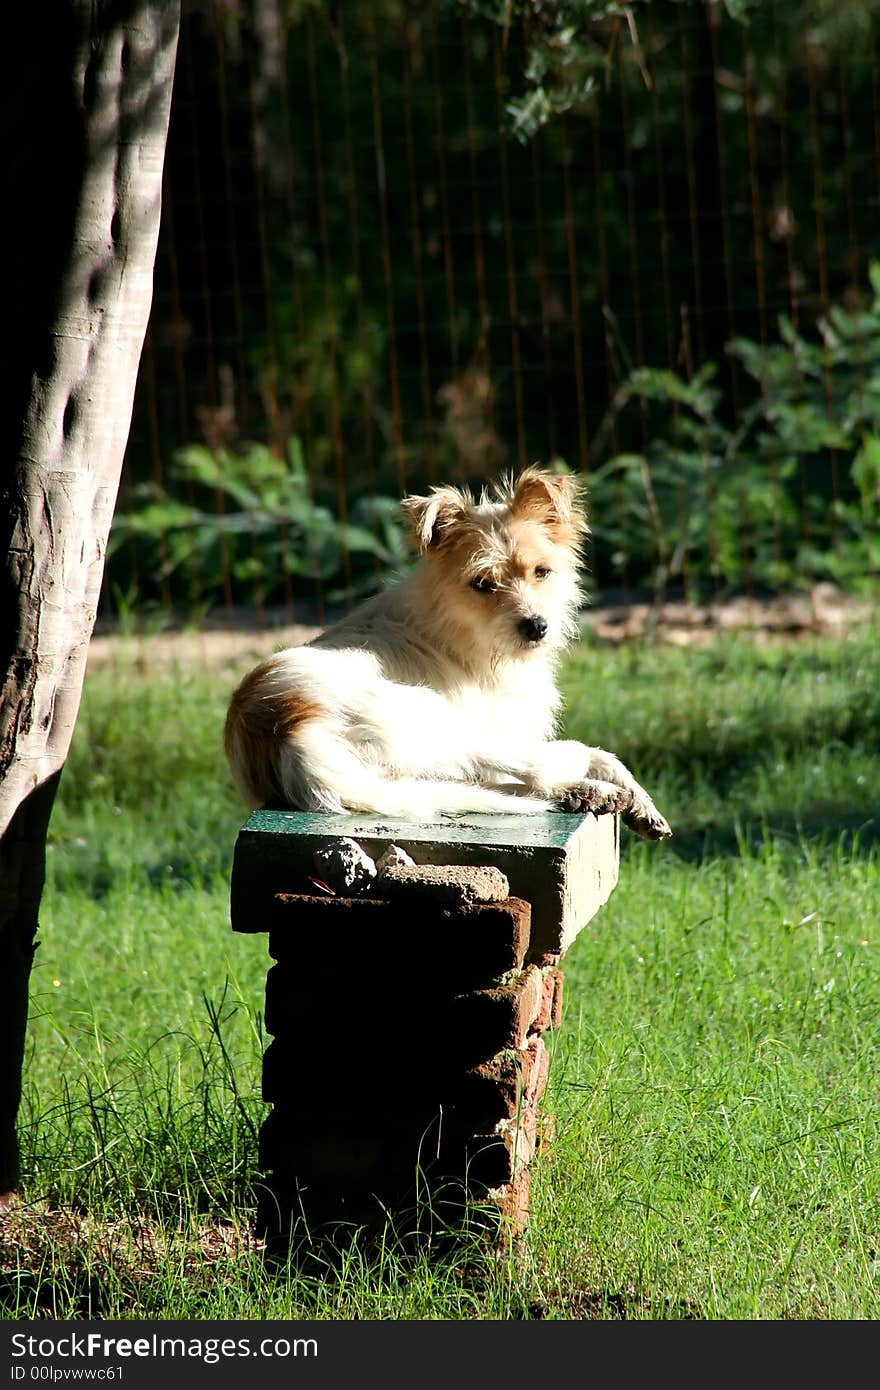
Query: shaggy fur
[{"x": 439, "y": 695}]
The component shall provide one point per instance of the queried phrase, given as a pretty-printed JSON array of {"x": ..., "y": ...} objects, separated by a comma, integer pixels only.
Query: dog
[{"x": 438, "y": 696}]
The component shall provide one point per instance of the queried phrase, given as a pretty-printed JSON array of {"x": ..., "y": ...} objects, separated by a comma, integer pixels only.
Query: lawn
[{"x": 713, "y": 1083}]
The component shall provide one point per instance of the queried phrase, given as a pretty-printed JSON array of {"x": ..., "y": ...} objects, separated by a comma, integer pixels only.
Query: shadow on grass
[
  {"x": 846, "y": 833},
  {"x": 469, "y": 1255},
  {"x": 174, "y": 874},
  {"x": 60, "y": 1263}
]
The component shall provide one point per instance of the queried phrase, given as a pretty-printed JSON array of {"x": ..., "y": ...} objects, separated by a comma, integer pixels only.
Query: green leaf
[{"x": 865, "y": 472}]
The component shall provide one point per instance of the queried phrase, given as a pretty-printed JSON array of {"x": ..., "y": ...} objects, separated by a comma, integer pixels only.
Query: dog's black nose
[{"x": 533, "y": 629}]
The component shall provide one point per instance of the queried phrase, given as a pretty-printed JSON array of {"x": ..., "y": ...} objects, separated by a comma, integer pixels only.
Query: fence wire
[{"x": 397, "y": 250}]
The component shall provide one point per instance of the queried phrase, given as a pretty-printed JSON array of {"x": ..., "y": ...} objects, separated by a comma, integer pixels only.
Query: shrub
[{"x": 787, "y": 492}]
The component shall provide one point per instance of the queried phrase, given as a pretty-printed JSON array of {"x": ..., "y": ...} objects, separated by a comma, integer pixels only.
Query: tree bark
[{"x": 84, "y": 120}]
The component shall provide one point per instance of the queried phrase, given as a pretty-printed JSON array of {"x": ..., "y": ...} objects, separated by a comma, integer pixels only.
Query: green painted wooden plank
[
  {"x": 547, "y": 830},
  {"x": 564, "y": 865}
]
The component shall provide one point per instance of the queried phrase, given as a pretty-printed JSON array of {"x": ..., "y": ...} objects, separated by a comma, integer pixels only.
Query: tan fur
[
  {"x": 439, "y": 696},
  {"x": 552, "y": 502},
  {"x": 257, "y": 720}
]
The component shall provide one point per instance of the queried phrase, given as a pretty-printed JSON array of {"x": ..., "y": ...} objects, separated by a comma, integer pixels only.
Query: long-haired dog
[{"x": 439, "y": 695}]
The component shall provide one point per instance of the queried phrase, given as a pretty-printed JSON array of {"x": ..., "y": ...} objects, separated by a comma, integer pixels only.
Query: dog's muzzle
[{"x": 533, "y": 629}]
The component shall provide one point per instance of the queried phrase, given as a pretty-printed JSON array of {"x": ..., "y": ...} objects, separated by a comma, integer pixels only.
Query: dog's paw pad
[
  {"x": 602, "y": 798},
  {"x": 647, "y": 821}
]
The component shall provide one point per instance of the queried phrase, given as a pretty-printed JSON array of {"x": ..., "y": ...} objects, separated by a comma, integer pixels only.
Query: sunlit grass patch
[{"x": 713, "y": 1083}]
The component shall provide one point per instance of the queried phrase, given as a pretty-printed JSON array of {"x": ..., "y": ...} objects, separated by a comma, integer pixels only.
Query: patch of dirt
[
  {"x": 595, "y": 1305},
  {"x": 59, "y": 1264},
  {"x": 822, "y": 611},
  {"x": 211, "y": 649}
]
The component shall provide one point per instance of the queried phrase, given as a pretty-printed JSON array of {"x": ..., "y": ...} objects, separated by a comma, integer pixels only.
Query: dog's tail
[{"x": 263, "y": 713}]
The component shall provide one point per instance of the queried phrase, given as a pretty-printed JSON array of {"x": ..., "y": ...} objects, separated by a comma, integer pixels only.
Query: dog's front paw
[
  {"x": 644, "y": 818},
  {"x": 602, "y": 798}
]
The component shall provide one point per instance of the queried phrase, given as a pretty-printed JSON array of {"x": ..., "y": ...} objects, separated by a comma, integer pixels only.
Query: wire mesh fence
[{"x": 412, "y": 243}]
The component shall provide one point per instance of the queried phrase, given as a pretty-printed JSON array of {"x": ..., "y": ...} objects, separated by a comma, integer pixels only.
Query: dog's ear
[
  {"x": 435, "y": 516},
  {"x": 552, "y": 499}
]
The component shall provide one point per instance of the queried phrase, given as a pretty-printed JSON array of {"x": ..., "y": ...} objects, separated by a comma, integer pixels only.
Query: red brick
[
  {"x": 513, "y": 1201},
  {"x": 551, "y": 985},
  {"x": 482, "y": 1095},
  {"x": 520, "y": 1136},
  {"x": 488, "y": 1162},
  {"x": 534, "y": 1068},
  {"x": 295, "y": 1000},
  {"x": 486, "y": 1021},
  {"x": 456, "y": 949},
  {"x": 477, "y": 1103},
  {"x": 304, "y": 926},
  {"x": 495, "y": 1159},
  {"x": 498, "y": 1088},
  {"x": 318, "y": 1147},
  {"x": 293, "y": 1076},
  {"x": 556, "y": 1006},
  {"x": 544, "y": 959}
]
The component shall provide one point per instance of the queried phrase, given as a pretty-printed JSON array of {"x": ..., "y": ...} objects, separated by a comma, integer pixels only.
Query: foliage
[
  {"x": 453, "y": 201},
  {"x": 788, "y": 491},
  {"x": 555, "y": 54},
  {"x": 257, "y": 524},
  {"x": 559, "y": 52}
]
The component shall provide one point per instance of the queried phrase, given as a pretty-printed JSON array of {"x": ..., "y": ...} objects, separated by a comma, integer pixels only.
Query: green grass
[{"x": 713, "y": 1083}]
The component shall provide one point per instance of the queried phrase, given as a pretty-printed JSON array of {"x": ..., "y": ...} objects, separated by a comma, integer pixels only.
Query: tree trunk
[{"x": 84, "y": 119}]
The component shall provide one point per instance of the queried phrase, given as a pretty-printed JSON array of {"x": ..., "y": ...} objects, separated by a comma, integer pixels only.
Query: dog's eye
[
  {"x": 541, "y": 571},
  {"x": 482, "y": 585}
]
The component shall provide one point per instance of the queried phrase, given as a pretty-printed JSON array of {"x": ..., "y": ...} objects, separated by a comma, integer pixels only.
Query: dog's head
[{"x": 503, "y": 570}]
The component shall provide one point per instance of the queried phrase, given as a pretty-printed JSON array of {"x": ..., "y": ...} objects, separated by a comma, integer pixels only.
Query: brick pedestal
[{"x": 407, "y": 1059}]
